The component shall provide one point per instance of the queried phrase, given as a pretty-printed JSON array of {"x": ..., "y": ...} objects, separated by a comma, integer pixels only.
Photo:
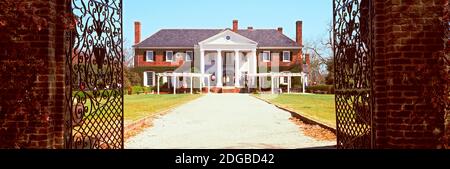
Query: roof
[{"x": 191, "y": 37}]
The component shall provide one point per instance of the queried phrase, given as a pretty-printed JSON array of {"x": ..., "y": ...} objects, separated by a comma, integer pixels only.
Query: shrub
[{"x": 328, "y": 89}]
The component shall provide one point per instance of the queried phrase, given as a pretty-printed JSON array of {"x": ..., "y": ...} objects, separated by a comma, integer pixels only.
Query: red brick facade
[
  {"x": 42, "y": 127},
  {"x": 407, "y": 74}
]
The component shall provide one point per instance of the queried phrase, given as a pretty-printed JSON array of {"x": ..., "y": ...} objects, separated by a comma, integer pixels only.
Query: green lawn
[
  {"x": 140, "y": 106},
  {"x": 318, "y": 107}
]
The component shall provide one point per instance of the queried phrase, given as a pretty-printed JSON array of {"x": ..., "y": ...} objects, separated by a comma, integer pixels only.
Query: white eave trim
[{"x": 280, "y": 47}]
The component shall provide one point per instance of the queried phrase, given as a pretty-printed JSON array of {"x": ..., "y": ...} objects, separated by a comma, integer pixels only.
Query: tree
[{"x": 320, "y": 50}]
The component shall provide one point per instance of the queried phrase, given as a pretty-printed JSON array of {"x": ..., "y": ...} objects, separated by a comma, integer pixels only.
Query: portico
[{"x": 228, "y": 57}]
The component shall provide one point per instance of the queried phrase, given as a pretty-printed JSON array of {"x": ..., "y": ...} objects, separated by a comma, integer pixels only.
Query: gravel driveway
[{"x": 224, "y": 121}]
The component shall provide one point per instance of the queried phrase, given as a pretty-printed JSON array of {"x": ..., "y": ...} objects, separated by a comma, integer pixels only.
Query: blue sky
[{"x": 261, "y": 14}]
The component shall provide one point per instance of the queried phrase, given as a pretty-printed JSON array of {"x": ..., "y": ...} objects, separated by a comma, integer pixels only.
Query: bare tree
[{"x": 321, "y": 57}]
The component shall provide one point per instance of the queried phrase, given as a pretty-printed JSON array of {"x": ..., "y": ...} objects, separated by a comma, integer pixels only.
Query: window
[
  {"x": 149, "y": 57},
  {"x": 284, "y": 80},
  {"x": 286, "y": 56},
  {"x": 266, "y": 56},
  {"x": 149, "y": 78},
  {"x": 169, "y": 56},
  {"x": 189, "y": 55}
]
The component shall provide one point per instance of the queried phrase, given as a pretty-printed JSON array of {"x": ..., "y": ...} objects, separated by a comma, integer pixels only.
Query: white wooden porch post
[
  {"x": 219, "y": 69},
  {"x": 157, "y": 83},
  {"x": 303, "y": 84},
  {"x": 174, "y": 84},
  {"x": 255, "y": 66},
  {"x": 192, "y": 84},
  {"x": 201, "y": 84},
  {"x": 260, "y": 82},
  {"x": 209, "y": 84},
  {"x": 289, "y": 84},
  {"x": 271, "y": 86},
  {"x": 202, "y": 64},
  {"x": 237, "y": 73}
]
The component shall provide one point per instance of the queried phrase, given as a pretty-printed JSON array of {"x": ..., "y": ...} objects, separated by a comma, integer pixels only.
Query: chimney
[
  {"x": 235, "y": 25},
  {"x": 299, "y": 35},
  {"x": 250, "y": 28},
  {"x": 280, "y": 29},
  {"x": 137, "y": 32}
]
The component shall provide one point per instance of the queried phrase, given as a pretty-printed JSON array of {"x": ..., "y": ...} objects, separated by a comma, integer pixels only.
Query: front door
[{"x": 228, "y": 69}]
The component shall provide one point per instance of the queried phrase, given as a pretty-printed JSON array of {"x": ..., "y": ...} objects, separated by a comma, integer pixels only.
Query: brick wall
[
  {"x": 159, "y": 58},
  {"x": 296, "y": 58},
  {"x": 408, "y": 43},
  {"x": 159, "y": 55},
  {"x": 38, "y": 122}
]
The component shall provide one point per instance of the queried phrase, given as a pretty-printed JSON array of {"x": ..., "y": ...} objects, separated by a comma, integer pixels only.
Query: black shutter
[
  {"x": 281, "y": 56},
  {"x": 291, "y": 56},
  {"x": 145, "y": 56},
  {"x": 164, "y": 55}
]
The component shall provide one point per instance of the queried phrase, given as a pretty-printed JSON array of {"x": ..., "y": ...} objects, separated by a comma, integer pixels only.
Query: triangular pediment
[{"x": 228, "y": 37}]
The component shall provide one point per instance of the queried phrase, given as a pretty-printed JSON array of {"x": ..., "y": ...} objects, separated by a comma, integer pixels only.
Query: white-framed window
[
  {"x": 169, "y": 56},
  {"x": 149, "y": 78},
  {"x": 189, "y": 56},
  {"x": 149, "y": 56},
  {"x": 284, "y": 80},
  {"x": 266, "y": 56},
  {"x": 286, "y": 56}
]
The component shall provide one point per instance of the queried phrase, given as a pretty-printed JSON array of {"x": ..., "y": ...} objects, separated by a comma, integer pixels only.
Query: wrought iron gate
[
  {"x": 94, "y": 66},
  {"x": 352, "y": 27}
]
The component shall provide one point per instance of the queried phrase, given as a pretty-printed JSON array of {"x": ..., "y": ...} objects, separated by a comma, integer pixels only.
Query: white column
[
  {"x": 254, "y": 66},
  {"x": 209, "y": 84},
  {"x": 271, "y": 86},
  {"x": 303, "y": 83},
  {"x": 289, "y": 84},
  {"x": 219, "y": 69},
  {"x": 202, "y": 64},
  {"x": 157, "y": 83},
  {"x": 174, "y": 84},
  {"x": 192, "y": 84},
  {"x": 201, "y": 84},
  {"x": 237, "y": 70}
]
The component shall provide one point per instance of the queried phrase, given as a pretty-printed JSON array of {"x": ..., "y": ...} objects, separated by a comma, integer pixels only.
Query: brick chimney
[
  {"x": 137, "y": 32},
  {"x": 235, "y": 25},
  {"x": 280, "y": 29},
  {"x": 299, "y": 36}
]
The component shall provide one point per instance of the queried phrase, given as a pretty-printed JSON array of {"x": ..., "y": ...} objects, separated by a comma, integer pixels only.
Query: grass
[
  {"x": 140, "y": 106},
  {"x": 318, "y": 107}
]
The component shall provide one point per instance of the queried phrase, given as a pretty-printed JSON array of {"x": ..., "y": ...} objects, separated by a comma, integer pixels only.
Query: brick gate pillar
[
  {"x": 37, "y": 122},
  {"x": 408, "y": 79}
]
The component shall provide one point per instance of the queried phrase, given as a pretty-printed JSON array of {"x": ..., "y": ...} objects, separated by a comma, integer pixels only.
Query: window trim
[
  {"x": 146, "y": 84},
  {"x": 289, "y": 60},
  {"x": 167, "y": 60},
  {"x": 270, "y": 57},
  {"x": 146, "y": 56},
  {"x": 190, "y": 58},
  {"x": 284, "y": 80}
]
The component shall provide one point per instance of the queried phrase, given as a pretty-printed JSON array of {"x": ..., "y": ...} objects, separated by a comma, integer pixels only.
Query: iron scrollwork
[
  {"x": 95, "y": 64},
  {"x": 353, "y": 72}
]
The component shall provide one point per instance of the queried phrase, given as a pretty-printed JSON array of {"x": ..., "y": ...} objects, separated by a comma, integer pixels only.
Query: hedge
[
  {"x": 139, "y": 89},
  {"x": 326, "y": 89}
]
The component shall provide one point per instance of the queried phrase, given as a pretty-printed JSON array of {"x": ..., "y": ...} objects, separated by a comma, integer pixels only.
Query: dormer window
[
  {"x": 286, "y": 56},
  {"x": 149, "y": 56},
  {"x": 169, "y": 56}
]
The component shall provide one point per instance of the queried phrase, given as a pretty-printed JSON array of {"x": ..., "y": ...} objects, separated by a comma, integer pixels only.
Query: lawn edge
[{"x": 304, "y": 118}]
